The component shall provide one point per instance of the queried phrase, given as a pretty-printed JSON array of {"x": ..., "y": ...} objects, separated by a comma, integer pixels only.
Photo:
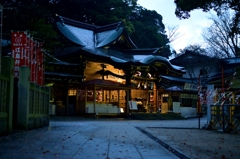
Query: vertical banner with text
[
  {"x": 40, "y": 68},
  {"x": 27, "y": 52},
  {"x": 18, "y": 49},
  {"x": 33, "y": 60}
]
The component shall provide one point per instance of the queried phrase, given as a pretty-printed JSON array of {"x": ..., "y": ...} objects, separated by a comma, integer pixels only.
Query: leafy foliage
[
  {"x": 149, "y": 30},
  {"x": 194, "y": 48},
  {"x": 32, "y": 17},
  {"x": 184, "y": 7},
  {"x": 37, "y": 16}
]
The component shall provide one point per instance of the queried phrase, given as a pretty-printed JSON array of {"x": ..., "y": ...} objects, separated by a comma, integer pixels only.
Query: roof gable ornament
[{"x": 60, "y": 18}]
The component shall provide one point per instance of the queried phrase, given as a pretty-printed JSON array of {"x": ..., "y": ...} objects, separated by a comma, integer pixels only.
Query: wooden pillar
[
  {"x": 127, "y": 101},
  {"x": 223, "y": 91},
  {"x": 8, "y": 64},
  {"x": 232, "y": 108},
  {"x": 158, "y": 100},
  {"x": 118, "y": 98},
  {"x": 23, "y": 93},
  {"x": 103, "y": 95},
  {"x": 110, "y": 96},
  {"x": 65, "y": 97},
  {"x": 128, "y": 75},
  {"x": 85, "y": 99},
  {"x": 94, "y": 99},
  {"x": 155, "y": 98}
]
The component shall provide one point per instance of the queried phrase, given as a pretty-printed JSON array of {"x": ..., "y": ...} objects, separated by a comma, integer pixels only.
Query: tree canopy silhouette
[{"x": 145, "y": 27}]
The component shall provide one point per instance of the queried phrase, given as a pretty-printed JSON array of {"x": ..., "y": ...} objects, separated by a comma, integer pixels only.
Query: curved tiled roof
[
  {"x": 109, "y": 38},
  {"x": 230, "y": 61},
  {"x": 93, "y": 40},
  {"x": 178, "y": 79},
  {"x": 104, "y": 83},
  {"x": 88, "y": 35},
  {"x": 62, "y": 75},
  {"x": 73, "y": 33}
]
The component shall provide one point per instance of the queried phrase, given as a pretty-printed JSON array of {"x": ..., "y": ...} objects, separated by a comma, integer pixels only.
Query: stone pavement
[{"x": 80, "y": 138}]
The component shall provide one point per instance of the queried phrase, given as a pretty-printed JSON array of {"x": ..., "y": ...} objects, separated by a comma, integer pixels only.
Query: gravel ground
[{"x": 200, "y": 143}]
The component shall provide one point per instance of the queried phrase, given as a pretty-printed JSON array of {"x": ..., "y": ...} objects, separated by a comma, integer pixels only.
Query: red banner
[
  {"x": 18, "y": 49},
  {"x": 33, "y": 60},
  {"x": 27, "y": 48},
  {"x": 40, "y": 69},
  {"x": 28, "y": 52}
]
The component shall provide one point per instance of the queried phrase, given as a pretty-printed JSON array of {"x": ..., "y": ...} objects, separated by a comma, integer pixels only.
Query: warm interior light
[
  {"x": 49, "y": 84},
  {"x": 121, "y": 110},
  {"x": 165, "y": 95},
  {"x": 72, "y": 92}
]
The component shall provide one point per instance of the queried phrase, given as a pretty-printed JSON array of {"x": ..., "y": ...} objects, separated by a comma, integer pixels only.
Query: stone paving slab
[
  {"x": 78, "y": 138},
  {"x": 90, "y": 139}
]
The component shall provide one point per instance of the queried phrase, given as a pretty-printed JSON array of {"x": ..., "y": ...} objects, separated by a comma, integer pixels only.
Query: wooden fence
[
  {"x": 31, "y": 109},
  {"x": 6, "y": 95},
  {"x": 33, "y": 102},
  {"x": 4, "y": 81},
  {"x": 226, "y": 117},
  {"x": 38, "y": 106}
]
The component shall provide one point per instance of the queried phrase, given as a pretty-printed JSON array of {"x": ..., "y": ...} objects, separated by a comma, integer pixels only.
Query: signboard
[
  {"x": 176, "y": 107},
  {"x": 189, "y": 86},
  {"x": 33, "y": 59},
  {"x": 210, "y": 100},
  {"x": 27, "y": 53},
  {"x": 133, "y": 105},
  {"x": 39, "y": 65},
  {"x": 18, "y": 48}
]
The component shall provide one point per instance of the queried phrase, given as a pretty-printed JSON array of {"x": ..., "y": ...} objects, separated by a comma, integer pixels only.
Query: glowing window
[{"x": 72, "y": 92}]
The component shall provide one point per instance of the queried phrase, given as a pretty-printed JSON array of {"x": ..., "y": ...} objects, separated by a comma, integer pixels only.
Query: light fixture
[{"x": 165, "y": 95}]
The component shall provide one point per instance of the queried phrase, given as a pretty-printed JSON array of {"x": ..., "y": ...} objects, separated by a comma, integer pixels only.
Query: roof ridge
[
  {"x": 141, "y": 51},
  {"x": 76, "y": 23},
  {"x": 93, "y": 27},
  {"x": 109, "y": 26}
]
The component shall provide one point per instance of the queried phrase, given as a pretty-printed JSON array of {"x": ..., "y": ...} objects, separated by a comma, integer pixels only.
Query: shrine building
[{"x": 105, "y": 73}]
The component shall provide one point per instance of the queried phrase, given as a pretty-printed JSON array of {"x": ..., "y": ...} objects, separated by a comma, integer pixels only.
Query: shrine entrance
[{"x": 102, "y": 97}]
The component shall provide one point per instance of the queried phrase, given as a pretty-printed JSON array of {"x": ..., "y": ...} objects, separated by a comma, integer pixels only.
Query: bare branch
[
  {"x": 173, "y": 33},
  {"x": 221, "y": 37}
]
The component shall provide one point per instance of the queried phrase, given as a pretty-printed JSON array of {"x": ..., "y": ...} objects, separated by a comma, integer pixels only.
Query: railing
[
  {"x": 6, "y": 95},
  {"x": 38, "y": 115},
  {"x": 32, "y": 100},
  {"x": 38, "y": 101},
  {"x": 33, "y": 111},
  {"x": 225, "y": 117},
  {"x": 4, "y": 81},
  {"x": 3, "y": 95}
]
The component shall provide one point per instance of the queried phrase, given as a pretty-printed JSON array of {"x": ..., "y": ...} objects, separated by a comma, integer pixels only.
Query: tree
[
  {"x": 195, "y": 58},
  {"x": 144, "y": 27},
  {"x": 173, "y": 33},
  {"x": 196, "y": 48},
  {"x": 34, "y": 18},
  {"x": 184, "y": 7},
  {"x": 149, "y": 30},
  {"x": 222, "y": 40}
]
